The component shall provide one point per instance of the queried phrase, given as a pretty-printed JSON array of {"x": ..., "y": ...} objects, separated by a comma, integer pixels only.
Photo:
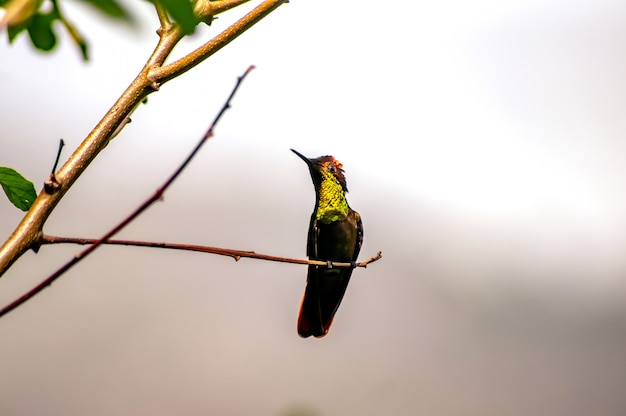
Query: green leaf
[
  {"x": 13, "y": 31},
  {"x": 41, "y": 33},
  {"x": 18, "y": 15},
  {"x": 19, "y": 190},
  {"x": 77, "y": 38},
  {"x": 111, "y": 8},
  {"x": 182, "y": 13}
]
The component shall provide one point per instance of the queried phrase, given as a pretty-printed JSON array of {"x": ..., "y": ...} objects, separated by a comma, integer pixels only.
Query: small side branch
[
  {"x": 235, "y": 254},
  {"x": 166, "y": 72},
  {"x": 164, "y": 20}
]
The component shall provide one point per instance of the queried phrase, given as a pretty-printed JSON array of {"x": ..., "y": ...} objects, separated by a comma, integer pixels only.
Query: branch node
[
  {"x": 206, "y": 10},
  {"x": 36, "y": 245},
  {"x": 52, "y": 184}
]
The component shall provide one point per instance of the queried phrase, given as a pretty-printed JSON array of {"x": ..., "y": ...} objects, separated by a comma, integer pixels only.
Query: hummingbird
[{"x": 335, "y": 235}]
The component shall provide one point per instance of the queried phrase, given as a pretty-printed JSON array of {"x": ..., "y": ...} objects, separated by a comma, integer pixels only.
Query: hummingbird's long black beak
[{"x": 308, "y": 161}]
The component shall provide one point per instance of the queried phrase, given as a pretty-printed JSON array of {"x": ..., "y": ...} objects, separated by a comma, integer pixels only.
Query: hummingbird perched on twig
[{"x": 335, "y": 235}]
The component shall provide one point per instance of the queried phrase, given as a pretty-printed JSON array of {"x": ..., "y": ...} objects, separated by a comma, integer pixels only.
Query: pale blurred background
[{"x": 484, "y": 147}]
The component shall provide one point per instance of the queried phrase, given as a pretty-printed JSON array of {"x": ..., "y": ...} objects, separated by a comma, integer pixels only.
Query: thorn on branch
[
  {"x": 37, "y": 243},
  {"x": 52, "y": 185},
  {"x": 56, "y": 161},
  {"x": 118, "y": 130}
]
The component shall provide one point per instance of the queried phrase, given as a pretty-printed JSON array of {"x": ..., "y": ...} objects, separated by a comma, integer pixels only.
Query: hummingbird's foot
[
  {"x": 329, "y": 264},
  {"x": 353, "y": 264}
]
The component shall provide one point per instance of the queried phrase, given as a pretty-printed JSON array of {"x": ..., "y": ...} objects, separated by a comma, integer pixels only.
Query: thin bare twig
[
  {"x": 235, "y": 254},
  {"x": 155, "y": 197}
]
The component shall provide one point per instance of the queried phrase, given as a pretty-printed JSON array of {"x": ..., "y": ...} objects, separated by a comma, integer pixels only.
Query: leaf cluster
[{"x": 38, "y": 19}]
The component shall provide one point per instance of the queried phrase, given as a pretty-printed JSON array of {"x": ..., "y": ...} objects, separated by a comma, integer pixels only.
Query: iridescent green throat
[{"x": 332, "y": 205}]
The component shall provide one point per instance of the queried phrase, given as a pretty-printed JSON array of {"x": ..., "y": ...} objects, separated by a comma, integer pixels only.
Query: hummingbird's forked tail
[{"x": 323, "y": 294}]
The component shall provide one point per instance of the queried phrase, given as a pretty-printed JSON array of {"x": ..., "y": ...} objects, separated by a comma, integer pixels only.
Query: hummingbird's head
[{"x": 323, "y": 168}]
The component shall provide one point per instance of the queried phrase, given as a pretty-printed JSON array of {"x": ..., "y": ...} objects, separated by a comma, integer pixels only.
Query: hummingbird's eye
[{"x": 332, "y": 168}]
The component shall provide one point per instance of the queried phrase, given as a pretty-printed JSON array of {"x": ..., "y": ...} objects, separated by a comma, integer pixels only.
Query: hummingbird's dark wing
[
  {"x": 359, "y": 230},
  {"x": 338, "y": 241}
]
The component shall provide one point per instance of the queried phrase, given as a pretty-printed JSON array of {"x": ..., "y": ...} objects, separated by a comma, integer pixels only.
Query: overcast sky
[{"x": 483, "y": 144}]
